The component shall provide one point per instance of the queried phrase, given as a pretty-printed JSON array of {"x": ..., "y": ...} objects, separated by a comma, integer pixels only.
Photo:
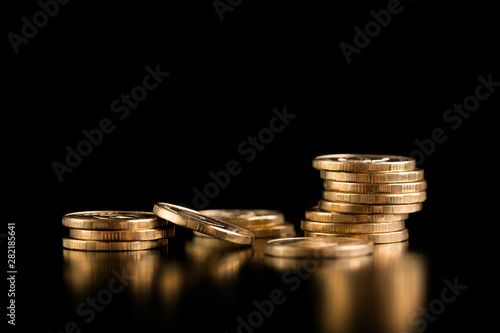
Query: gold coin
[
  {"x": 281, "y": 230},
  {"x": 364, "y": 163},
  {"x": 315, "y": 214},
  {"x": 122, "y": 235},
  {"x": 91, "y": 245},
  {"x": 374, "y": 177},
  {"x": 112, "y": 220},
  {"x": 375, "y": 198},
  {"x": 196, "y": 221},
  {"x": 322, "y": 247},
  {"x": 247, "y": 218},
  {"x": 352, "y": 228},
  {"x": 375, "y": 188},
  {"x": 384, "y": 237},
  {"x": 343, "y": 207}
]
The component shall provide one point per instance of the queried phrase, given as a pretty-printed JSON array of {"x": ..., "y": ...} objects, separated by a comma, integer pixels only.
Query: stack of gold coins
[
  {"x": 366, "y": 196},
  {"x": 116, "y": 231},
  {"x": 263, "y": 223}
]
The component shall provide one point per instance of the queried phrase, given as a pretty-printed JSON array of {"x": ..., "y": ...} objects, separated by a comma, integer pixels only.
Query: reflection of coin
[
  {"x": 112, "y": 220},
  {"x": 247, "y": 218},
  {"x": 384, "y": 237},
  {"x": 375, "y": 188},
  {"x": 369, "y": 209},
  {"x": 352, "y": 228},
  {"x": 375, "y": 198},
  {"x": 325, "y": 247},
  {"x": 122, "y": 235},
  {"x": 314, "y": 214},
  {"x": 374, "y": 177},
  {"x": 90, "y": 245},
  {"x": 364, "y": 163},
  {"x": 194, "y": 220}
]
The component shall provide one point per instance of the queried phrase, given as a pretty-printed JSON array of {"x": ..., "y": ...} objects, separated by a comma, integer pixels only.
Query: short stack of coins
[
  {"x": 366, "y": 196},
  {"x": 263, "y": 223},
  {"x": 116, "y": 231}
]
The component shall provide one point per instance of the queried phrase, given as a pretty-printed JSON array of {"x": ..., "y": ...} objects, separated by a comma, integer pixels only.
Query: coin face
[
  {"x": 375, "y": 198},
  {"x": 247, "y": 218},
  {"x": 352, "y": 208},
  {"x": 122, "y": 235},
  {"x": 374, "y": 177},
  {"x": 352, "y": 228},
  {"x": 375, "y": 188},
  {"x": 91, "y": 245},
  {"x": 196, "y": 221},
  {"x": 321, "y": 247},
  {"x": 112, "y": 220},
  {"x": 364, "y": 163},
  {"x": 376, "y": 238}
]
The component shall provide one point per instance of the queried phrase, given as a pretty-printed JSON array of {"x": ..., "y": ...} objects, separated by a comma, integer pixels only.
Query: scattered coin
[{"x": 247, "y": 218}]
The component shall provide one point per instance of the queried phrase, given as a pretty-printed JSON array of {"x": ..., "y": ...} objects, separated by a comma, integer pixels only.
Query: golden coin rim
[
  {"x": 314, "y": 214},
  {"x": 373, "y": 177},
  {"x": 376, "y": 238},
  {"x": 73, "y": 220},
  {"x": 122, "y": 235},
  {"x": 343, "y": 207},
  {"x": 91, "y": 245},
  {"x": 352, "y": 228},
  {"x": 386, "y": 188},
  {"x": 375, "y": 198},
  {"x": 403, "y": 163}
]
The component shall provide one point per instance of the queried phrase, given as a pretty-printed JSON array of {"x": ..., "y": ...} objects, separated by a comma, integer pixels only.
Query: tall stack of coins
[
  {"x": 263, "y": 223},
  {"x": 116, "y": 231},
  {"x": 366, "y": 196}
]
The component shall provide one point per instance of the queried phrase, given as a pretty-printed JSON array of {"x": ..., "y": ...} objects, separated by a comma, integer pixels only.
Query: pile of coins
[
  {"x": 116, "y": 231},
  {"x": 263, "y": 223},
  {"x": 366, "y": 196}
]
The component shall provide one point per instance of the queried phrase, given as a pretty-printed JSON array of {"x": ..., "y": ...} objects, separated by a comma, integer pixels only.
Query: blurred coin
[
  {"x": 374, "y": 177},
  {"x": 375, "y": 198},
  {"x": 385, "y": 237},
  {"x": 315, "y": 214},
  {"x": 112, "y": 220},
  {"x": 90, "y": 245},
  {"x": 352, "y": 228},
  {"x": 247, "y": 218},
  {"x": 375, "y": 188},
  {"x": 196, "y": 221},
  {"x": 369, "y": 209},
  {"x": 321, "y": 247},
  {"x": 122, "y": 235},
  {"x": 364, "y": 163}
]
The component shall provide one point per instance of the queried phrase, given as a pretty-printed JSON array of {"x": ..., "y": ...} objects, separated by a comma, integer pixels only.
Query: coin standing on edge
[
  {"x": 364, "y": 163},
  {"x": 321, "y": 247},
  {"x": 191, "y": 219},
  {"x": 91, "y": 245},
  {"x": 112, "y": 220}
]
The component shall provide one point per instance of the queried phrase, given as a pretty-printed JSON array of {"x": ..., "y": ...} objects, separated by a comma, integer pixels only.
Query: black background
[{"x": 225, "y": 79}]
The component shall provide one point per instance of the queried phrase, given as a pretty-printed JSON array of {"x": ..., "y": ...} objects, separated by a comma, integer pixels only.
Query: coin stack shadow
[
  {"x": 372, "y": 205},
  {"x": 115, "y": 231}
]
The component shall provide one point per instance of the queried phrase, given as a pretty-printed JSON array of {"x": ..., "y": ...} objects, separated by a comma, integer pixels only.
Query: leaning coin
[
  {"x": 384, "y": 237},
  {"x": 343, "y": 207},
  {"x": 375, "y": 188},
  {"x": 90, "y": 245},
  {"x": 352, "y": 228},
  {"x": 196, "y": 221},
  {"x": 315, "y": 214},
  {"x": 321, "y": 247},
  {"x": 364, "y": 163},
  {"x": 374, "y": 177},
  {"x": 122, "y": 235},
  {"x": 375, "y": 198},
  {"x": 112, "y": 220},
  {"x": 247, "y": 218}
]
